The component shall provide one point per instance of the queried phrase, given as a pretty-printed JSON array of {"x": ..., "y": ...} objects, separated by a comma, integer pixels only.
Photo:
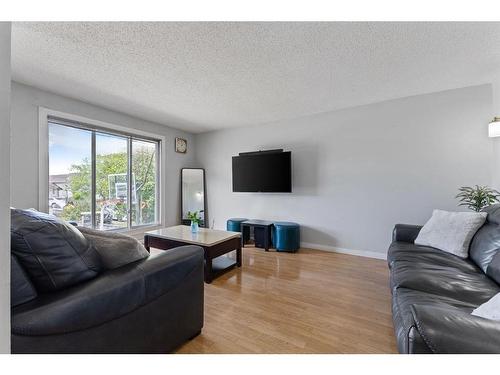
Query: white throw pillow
[
  {"x": 451, "y": 231},
  {"x": 489, "y": 309}
]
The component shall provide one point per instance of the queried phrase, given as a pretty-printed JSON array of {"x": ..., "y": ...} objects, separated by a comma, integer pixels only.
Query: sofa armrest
[
  {"x": 112, "y": 294},
  {"x": 405, "y": 232},
  {"x": 455, "y": 331}
]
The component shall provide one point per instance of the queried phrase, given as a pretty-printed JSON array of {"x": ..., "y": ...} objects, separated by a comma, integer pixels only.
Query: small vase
[{"x": 194, "y": 227}]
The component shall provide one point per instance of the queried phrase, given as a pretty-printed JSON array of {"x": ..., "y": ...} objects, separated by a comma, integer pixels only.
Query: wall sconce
[{"x": 494, "y": 128}]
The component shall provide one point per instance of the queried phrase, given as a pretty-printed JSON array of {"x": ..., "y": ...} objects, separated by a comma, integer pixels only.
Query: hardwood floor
[{"x": 308, "y": 302}]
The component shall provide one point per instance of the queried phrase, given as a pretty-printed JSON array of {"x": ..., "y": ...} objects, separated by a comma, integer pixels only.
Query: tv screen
[{"x": 263, "y": 172}]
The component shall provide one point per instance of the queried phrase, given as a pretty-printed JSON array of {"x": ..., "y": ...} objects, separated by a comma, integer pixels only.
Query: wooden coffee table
[{"x": 214, "y": 242}]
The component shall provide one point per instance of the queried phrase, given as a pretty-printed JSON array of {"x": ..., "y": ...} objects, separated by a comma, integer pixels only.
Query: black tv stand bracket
[{"x": 261, "y": 152}]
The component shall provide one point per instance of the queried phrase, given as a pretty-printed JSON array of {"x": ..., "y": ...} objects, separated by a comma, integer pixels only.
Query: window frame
[{"x": 80, "y": 122}]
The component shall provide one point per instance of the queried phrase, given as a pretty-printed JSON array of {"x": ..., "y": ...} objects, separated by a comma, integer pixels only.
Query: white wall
[
  {"x": 496, "y": 141},
  {"x": 4, "y": 187},
  {"x": 24, "y": 154},
  {"x": 357, "y": 172}
]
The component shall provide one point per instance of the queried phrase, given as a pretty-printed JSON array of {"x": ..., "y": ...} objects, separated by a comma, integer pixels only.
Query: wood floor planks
[{"x": 308, "y": 302}]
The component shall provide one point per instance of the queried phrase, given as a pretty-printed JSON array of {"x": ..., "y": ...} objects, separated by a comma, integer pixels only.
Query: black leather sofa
[
  {"x": 148, "y": 306},
  {"x": 434, "y": 292}
]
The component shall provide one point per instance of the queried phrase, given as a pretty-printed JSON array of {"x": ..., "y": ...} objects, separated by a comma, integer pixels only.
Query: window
[{"x": 102, "y": 179}]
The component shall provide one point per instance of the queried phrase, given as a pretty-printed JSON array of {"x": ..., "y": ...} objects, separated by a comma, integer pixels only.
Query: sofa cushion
[
  {"x": 451, "y": 231},
  {"x": 494, "y": 268},
  {"x": 493, "y": 212},
  {"x": 110, "y": 296},
  {"x": 21, "y": 288},
  {"x": 404, "y": 251},
  {"x": 408, "y": 337},
  {"x": 454, "y": 331},
  {"x": 54, "y": 254},
  {"x": 115, "y": 249},
  {"x": 472, "y": 287},
  {"x": 486, "y": 242}
]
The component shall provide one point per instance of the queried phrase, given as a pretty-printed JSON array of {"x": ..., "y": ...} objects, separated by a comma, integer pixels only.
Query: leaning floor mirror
[{"x": 193, "y": 195}]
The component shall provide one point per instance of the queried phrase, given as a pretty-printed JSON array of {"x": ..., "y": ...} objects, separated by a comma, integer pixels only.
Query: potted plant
[
  {"x": 477, "y": 197},
  {"x": 195, "y": 221}
]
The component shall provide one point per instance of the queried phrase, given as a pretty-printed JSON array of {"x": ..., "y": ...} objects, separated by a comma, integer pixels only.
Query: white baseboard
[{"x": 333, "y": 249}]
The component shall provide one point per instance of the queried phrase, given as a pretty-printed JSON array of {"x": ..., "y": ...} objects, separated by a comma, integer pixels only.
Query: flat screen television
[{"x": 263, "y": 172}]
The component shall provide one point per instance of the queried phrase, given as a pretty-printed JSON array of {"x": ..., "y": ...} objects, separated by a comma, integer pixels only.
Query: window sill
[{"x": 138, "y": 232}]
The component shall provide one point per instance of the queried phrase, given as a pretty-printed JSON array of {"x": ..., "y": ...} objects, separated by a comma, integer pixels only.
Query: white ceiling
[{"x": 205, "y": 76}]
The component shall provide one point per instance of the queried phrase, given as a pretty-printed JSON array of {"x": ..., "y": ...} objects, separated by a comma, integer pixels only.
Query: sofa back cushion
[
  {"x": 486, "y": 242},
  {"x": 54, "y": 254},
  {"x": 21, "y": 288},
  {"x": 493, "y": 270}
]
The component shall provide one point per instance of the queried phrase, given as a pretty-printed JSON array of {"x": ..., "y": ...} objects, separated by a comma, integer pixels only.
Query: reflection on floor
[{"x": 308, "y": 302}]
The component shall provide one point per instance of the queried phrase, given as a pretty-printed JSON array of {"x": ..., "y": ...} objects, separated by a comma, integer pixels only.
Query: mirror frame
[{"x": 204, "y": 224}]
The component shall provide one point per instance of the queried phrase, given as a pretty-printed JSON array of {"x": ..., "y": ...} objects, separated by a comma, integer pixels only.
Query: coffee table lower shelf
[
  {"x": 215, "y": 261},
  {"x": 222, "y": 265}
]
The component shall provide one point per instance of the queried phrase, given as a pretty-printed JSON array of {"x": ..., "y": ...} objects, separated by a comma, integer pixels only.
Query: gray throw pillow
[
  {"x": 451, "y": 231},
  {"x": 115, "y": 249}
]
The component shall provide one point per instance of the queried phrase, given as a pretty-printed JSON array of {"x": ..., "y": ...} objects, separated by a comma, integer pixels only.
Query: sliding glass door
[
  {"x": 111, "y": 181},
  {"x": 70, "y": 174},
  {"x": 100, "y": 179},
  {"x": 144, "y": 174}
]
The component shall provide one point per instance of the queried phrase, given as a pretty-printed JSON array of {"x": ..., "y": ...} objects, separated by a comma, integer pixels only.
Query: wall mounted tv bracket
[{"x": 261, "y": 152}]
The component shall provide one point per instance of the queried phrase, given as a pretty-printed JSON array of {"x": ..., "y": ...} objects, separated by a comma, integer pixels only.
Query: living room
[{"x": 276, "y": 187}]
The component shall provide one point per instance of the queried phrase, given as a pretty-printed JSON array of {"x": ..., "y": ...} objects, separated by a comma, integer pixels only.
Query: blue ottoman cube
[
  {"x": 234, "y": 225},
  {"x": 286, "y": 236}
]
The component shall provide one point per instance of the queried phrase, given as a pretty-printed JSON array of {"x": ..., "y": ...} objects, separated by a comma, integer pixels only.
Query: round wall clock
[{"x": 180, "y": 145}]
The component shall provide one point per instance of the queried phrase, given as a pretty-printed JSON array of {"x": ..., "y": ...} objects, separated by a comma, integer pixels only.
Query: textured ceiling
[{"x": 205, "y": 76}]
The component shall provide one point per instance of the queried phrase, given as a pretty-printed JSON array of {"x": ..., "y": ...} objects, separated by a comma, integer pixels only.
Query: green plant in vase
[
  {"x": 195, "y": 220},
  {"x": 477, "y": 197}
]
